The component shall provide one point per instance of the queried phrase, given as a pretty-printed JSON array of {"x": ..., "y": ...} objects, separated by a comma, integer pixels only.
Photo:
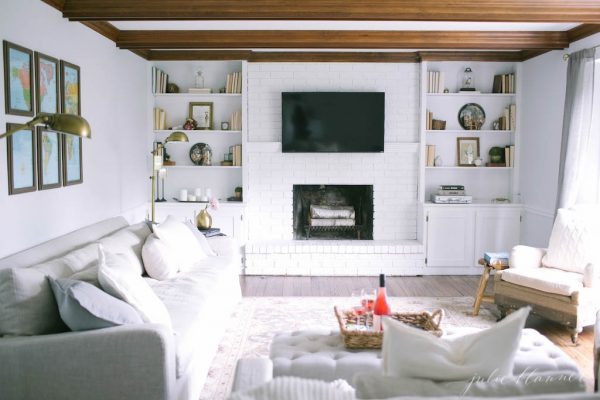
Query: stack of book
[
  {"x": 236, "y": 121},
  {"x": 234, "y": 83},
  {"x": 200, "y": 90},
  {"x": 496, "y": 258},
  {"x": 160, "y": 119},
  {"x": 451, "y": 194},
  {"x": 235, "y": 155},
  {"x": 159, "y": 81},
  {"x": 509, "y": 155},
  {"x": 504, "y": 83},
  {"x": 429, "y": 122},
  {"x": 508, "y": 120},
  {"x": 435, "y": 82},
  {"x": 430, "y": 155}
]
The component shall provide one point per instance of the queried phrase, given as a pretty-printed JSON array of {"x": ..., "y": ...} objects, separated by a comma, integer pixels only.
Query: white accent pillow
[
  {"x": 180, "y": 242},
  {"x": 159, "y": 262},
  {"x": 201, "y": 239},
  {"x": 574, "y": 240},
  {"x": 412, "y": 353},
  {"x": 118, "y": 280}
]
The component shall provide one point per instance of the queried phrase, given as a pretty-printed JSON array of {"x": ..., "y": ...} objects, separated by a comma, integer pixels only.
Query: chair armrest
[
  {"x": 526, "y": 257},
  {"x": 252, "y": 372},
  {"x": 126, "y": 362},
  {"x": 590, "y": 275},
  {"x": 223, "y": 245}
]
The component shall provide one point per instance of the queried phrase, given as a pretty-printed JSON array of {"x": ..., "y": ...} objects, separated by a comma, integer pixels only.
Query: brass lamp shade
[
  {"x": 177, "y": 136},
  {"x": 62, "y": 123}
]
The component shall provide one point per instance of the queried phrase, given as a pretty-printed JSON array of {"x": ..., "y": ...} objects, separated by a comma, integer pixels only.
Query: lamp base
[{"x": 159, "y": 200}]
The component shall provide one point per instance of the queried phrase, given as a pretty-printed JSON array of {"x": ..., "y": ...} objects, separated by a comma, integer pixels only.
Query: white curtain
[{"x": 579, "y": 173}]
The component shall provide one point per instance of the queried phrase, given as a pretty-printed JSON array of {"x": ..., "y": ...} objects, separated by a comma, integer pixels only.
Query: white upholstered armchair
[{"x": 560, "y": 283}]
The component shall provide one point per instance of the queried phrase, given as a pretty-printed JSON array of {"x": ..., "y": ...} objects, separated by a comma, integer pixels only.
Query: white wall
[
  {"x": 272, "y": 174},
  {"x": 544, "y": 84},
  {"x": 113, "y": 90}
]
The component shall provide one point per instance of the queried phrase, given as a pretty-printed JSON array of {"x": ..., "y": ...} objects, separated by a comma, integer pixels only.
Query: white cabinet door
[
  {"x": 450, "y": 237},
  {"x": 496, "y": 230}
]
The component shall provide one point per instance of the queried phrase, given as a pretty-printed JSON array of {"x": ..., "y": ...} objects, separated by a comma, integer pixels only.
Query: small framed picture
[
  {"x": 202, "y": 113},
  {"x": 71, "y": 160},
  {"x": 47, "y": 87},
  {"x": 48, "y": 159},
  {"x": 18, "y": 79},
  {"x": 70, "y": 88},
  {"x": 467, "y": 151},
  {"x": 224, "y": 126},
  {"x": 21, "y": 161}
]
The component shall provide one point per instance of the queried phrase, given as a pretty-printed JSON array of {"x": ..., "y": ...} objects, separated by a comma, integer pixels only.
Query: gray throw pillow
[{"x": 83, "y": 306}]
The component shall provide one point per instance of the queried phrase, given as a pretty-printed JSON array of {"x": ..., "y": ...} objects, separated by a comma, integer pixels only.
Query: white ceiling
[{"x": 341, "y": 25}]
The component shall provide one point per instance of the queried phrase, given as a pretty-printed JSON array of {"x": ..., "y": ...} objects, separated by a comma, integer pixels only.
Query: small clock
[{"x": 225, "y": 126}]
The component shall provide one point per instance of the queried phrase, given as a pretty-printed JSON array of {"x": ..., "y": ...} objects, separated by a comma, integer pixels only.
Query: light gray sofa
[{"x": 144, "y": 361}]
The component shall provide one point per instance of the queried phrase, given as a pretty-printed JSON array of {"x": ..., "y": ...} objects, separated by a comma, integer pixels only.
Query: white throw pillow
[
  {"x": 201, "y": 239},
  {"x": 412, "y": 353},
  {"x": 181, "y": 242},
  {"x": 118, "y": 280},
  {"x": 159, "y": 262},
  {"x": 574, "y": 240}
]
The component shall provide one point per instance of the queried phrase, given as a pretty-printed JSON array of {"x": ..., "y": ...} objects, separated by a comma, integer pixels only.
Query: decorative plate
[
  {"x": 201, "y": 154},
  {"x": 471, "y": 117}
]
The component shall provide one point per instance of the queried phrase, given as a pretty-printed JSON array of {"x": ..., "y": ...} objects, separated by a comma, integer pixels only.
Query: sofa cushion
[
  {"x": 181, "y": 242},
  {"x": 128, "y": 241},
  {"x": 201, "y": 239},
  {"x": 84, "y": 307},
  {"x": 206, "y": 293},
  {"x": 574, "y": 238},
  {"x": 88, "y": 275},
  {"x": 412, "y": 353},
  {"x": 117, "y": 279},
  {"x": 159, "y": 261},
  {"x": 549, "y": 280}
]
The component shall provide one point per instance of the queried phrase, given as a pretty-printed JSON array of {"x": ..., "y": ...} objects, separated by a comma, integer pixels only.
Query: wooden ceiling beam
[
  {"x": 198, "y": 55},
  {"x": 582, "y": 31},
  {"x": 583, "y": 11},
  {"x": 295, "y": 39},
  {"x": 508, "y": 56}
]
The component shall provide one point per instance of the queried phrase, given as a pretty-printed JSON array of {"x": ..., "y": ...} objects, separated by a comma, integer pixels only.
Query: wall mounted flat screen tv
[{"x": 333, "y": 122}]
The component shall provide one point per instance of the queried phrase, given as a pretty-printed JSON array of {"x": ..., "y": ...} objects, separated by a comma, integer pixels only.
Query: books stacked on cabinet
[
  {"x": 236, "y": 121},
  {"x": 430, "y": 155},
  {"x": 234, "y": 83},
  {"x": 160, "y": 119},
  {"x": 451, "y": 194},
  {"x": 159, "y": 81},
  {"x": 496, "y": 258},
  {"x": 235, "y": 155},
  {"x": 504, "y": 83},
  {"x": 435, "y": 82},
  {"x": 508, "y": 120}
]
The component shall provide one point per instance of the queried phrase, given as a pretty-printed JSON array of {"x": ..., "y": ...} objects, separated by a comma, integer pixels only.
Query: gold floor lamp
[
  {"x": 61, "y": 123},
  {"x": 157, "y": 162}
]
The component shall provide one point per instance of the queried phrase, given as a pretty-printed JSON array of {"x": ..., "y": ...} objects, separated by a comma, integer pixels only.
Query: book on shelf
[
  {"x": 442, "y": 192},
  {"x": 160, "y": 119},
  {"x": 430, "y": 155},
  {"x": 429, "y": 122},
  {"x": 508, "y": 120},
  {"x": 235, "y": 155},
  {"x": 504, "y": 83},
  {"x": 451, "y": 187},
  {"x": 236, "y": 121},
  {"x": 512, "y": 155},
  {"x": 436, "y": 198},
  {"x": 234, "y": 83},
  {"x": 493, "y": 258},
  {"x": 159, "y": 81},
  {"x": 435, "y": 82},
  {"x": 199, "y": 90},
  {"x": 509, "y": 155}
]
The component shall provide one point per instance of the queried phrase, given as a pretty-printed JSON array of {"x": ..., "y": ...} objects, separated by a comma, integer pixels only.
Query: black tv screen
[{"x": 332, "y": 122}]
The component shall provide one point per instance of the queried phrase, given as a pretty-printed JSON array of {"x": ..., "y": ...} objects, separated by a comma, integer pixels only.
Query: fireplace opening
[{"x": 342, "y": 212}]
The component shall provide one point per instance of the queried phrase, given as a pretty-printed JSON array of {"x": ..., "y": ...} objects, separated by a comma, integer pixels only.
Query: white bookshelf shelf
[
  {"x": 462, "y": 131},
  {"x": 182, "y": 95},
  {"x": 201, "y": 167},
  {"x": 466, "y": 94},
  {"x": 197, "y": 131},
  {"x": 470, "y": 168}
]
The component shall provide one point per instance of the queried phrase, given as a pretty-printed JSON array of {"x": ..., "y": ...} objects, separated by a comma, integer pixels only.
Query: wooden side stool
[{"x": 485, "y": 276}]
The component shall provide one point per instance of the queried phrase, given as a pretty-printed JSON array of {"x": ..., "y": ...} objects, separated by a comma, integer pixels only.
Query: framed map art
[
  {"x": 18, "y": 79},
  {"x": 46, "y": 83},
  {"x": 71, "y": 160},
  {"x": 70, "y": 88},
  {"x": 48, "y": 159},
  {"x": 21, "y": 161}
]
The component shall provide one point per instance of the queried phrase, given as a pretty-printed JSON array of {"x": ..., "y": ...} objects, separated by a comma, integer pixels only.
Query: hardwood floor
[{"x": 429, "y": 286}]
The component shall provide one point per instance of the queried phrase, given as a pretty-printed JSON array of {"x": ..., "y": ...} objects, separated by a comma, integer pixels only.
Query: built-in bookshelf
[
  {"x": 497, "y": 94},
  {"x": 222, "y": 86}
]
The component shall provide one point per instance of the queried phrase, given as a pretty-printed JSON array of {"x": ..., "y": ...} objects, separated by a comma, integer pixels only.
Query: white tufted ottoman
[{"x": 320, "y": 354}]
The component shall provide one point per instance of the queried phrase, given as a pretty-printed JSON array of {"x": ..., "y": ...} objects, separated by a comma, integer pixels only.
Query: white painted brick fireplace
[{"x": 271, "y": 174}]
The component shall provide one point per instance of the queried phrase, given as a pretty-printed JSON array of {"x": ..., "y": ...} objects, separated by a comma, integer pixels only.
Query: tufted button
[
  {"x": 537, "y": 343},
  {"x": 553, "y": 355}
]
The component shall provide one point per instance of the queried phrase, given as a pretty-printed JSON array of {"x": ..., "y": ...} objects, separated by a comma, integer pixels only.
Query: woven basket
[
  {"x": 438, "y": 125},
  {"x": 354, "y": 339}
]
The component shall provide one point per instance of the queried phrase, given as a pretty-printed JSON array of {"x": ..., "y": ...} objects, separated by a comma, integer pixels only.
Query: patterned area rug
[{"x": 257, "y": 319}]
